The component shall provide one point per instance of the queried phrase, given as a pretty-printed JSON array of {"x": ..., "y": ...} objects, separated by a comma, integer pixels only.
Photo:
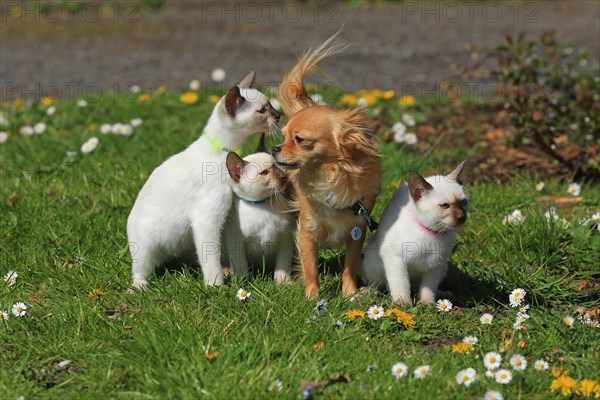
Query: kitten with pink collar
[{"x": 416, "y": 235}]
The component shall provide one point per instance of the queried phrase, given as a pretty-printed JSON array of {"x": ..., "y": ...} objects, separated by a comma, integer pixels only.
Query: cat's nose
[
  {"x": 461, "y": 219},
  {"x": 275, "y": 150}
]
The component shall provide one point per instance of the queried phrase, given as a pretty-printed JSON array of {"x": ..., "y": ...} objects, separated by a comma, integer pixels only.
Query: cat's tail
[{"x": 292, "y": 94}]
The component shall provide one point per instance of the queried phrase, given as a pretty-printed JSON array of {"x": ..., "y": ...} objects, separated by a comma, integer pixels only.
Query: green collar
[{"x": 218, "y": 145}]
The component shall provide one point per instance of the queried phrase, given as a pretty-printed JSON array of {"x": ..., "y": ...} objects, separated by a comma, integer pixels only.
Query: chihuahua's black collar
[
  {"x": 359, "y": 209},
  {"x": 263, "y": 201}
]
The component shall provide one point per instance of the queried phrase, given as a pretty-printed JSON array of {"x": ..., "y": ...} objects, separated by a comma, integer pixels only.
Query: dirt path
[{"x": 406, "y": 46}]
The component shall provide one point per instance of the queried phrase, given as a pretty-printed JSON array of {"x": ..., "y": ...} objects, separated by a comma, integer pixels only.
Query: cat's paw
[{"x": 428, "y": 301}]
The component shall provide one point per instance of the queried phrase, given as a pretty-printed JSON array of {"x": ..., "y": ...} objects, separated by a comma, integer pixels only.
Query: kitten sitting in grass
[
  {"x": 183, "y": 206},
  {"x": 259, "y": 229},
  {"x": 416, "y": 236}
]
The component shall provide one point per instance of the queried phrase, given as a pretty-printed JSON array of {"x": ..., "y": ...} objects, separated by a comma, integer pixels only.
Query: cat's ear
[
  {"x": 235, "y": 166},
  {"x": 233, "y": 100},
  {"x": 417, "y": 185},
  {"x": 457, "y": 174},
  {"x": 261, "y": 145},
  {"x": 248, "y": 81}
]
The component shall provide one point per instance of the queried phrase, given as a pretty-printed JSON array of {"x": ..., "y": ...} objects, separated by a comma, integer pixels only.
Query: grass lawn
[{"x": 63, "y": 232}]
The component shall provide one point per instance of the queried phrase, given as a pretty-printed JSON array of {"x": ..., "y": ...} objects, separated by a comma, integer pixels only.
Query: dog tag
[{"x": 356, "y": 232}]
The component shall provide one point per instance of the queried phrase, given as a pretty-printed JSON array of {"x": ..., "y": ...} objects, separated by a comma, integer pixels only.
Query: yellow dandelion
[
  {"x": 395, "y": 184},
  {"x": 557, "y": 373},
  {"x": 211, "y": 356},
  {"x": 144, "y": 97},
  {"x": 565, "y": 384},
  {"x": 353, "y": 314},
  {"x": 214, "y": 99},
  {"x": 388, "y": 94},
  {"x": 349, "y": 99},
  {"x": 404, "y": 318},
  {"x": 589, "y": 388},
  {"x": 96, "y": 292},
  {"x": 47, "y": 101},
  {"x": 462, "y": 348},
  {"x": 161, "y": 89},
  {"x": 189, "y": 98},
  {"x": 368, "y": 99},
  {"x": 19, "y": 102},
  {"x": 407, "y": 101},
  {"x": 318, "y": 346},
  {"x": 377, "y": 93}
]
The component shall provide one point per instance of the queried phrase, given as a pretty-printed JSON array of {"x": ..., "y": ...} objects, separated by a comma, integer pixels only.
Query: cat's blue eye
[
  {"x": 262, "y": 110},
  {"x": 265, "y": 172},
  {"x": 445, "y": 206}
]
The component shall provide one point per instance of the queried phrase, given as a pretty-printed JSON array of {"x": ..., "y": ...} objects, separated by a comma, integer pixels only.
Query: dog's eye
[
  {"x": 299, "y": 139},
  {"x": 445, "y": 206},
  {"x": 262, "y": 110},
  {"x": 265, "y": 172}
]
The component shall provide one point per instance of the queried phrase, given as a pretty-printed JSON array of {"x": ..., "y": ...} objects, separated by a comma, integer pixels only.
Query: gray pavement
[{"x": 406, "y": 46}]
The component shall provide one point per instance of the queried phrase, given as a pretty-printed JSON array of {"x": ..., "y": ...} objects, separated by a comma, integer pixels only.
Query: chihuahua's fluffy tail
[{"x": 292, "y": 94}]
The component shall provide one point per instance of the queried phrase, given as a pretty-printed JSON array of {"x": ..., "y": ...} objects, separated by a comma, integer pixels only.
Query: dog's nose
[{"x": 275, "y": 150}]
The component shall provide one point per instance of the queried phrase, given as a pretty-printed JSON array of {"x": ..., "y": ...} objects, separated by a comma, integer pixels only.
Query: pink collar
[{"x": 411, "y": 210}]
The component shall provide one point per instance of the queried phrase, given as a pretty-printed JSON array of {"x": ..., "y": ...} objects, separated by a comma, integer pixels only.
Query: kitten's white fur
[
  {"x": 257, "y": 232},
  {"x": 183, "y": 205},
  {"x": 415, "y": 238}
]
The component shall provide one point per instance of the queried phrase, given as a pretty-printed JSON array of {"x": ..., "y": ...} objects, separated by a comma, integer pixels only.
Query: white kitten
[
  {"x": 416, "y": 236},
  {"x": 260, "y": 224},
  {"x": 183, "y": 206}
]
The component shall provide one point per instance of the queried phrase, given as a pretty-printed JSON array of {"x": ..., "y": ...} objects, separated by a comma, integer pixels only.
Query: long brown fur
[{"x": 333, "y": 161}]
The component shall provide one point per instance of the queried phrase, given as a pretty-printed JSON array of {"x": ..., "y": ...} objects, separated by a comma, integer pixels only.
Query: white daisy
[
  {"x": 117, "y": 128},
  {"x": 3, "y": 315},
  {"x": 574, "y": 189},
  {"x": 82, "y": 103},
  {"x": 518, "y": 362},
  {"x": 19, "y": 309},
  {"x": 39, "y": 128},
  {"x": 408, "y": 119},
  {"x": 105, "y": 129},
  {"x": 594, "y": 324},
  {"x": 71, "y": 154},
  {"x": 375, "y": 312},
  {"x": 399, "y": 128},
  {"x": 421, "y": 372},
  {"x": 194, "y": 85},
  {"x": 317, "y": 99},
  {"x": 551, "y": 215},
  {"x": 580, "y": 310},
  {"x": 276, "y": 104},
  {"x": 10, "y": 278},
  {"x": 492, "y": 395},
  {"x": 541, "y": 365},
  {"x": 136, "y": 122},
  {"x": 443, "y": 305},
  {"x": 503, "y": 376},
  {"x": 522, "y": 317},
  {"x": 410, "y": 138},
  {"x": 3, "y": 137},
  {"x": 518, "y": 326},
  {"x": 540, "y": 186},
  {"x": 218, "y": 75},
  {"x": 596, "y": 217},
  {"x": 276, "y": 385},
  {"x": 584, "y": 319},
  {"x": 564, "y": 223},
  {"x": 51, "y": 110},
  {"x": 568, "y": 320},
  {"x": 63, "y": 363},
  {"x": 362, "y": 102},
  {"x": 399, "y": 370},
  {"x": 26, "y": 130},
  {"x": 470, "y": 340},
  {"x": 516, "y": 297},
  {"x": 126, "y": 130},
  {"x": 90, "y": 145},
  {"x": 466, "y": 377},
  {"x": 399, "y": 137},
  {"x": 523, "y": 308},
  {"x": 242, "y": 294},
  {"x": 135, "y": 89},
  {"x": 486, "y": 319},
  {"x": 492, "y": 360},
  {"x": 490, "y": 373}
]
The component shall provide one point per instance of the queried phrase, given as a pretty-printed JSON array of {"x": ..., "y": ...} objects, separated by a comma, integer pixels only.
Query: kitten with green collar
[
  {"x": 416, "y": 235},
  {"x": 259, "y": 229}
]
